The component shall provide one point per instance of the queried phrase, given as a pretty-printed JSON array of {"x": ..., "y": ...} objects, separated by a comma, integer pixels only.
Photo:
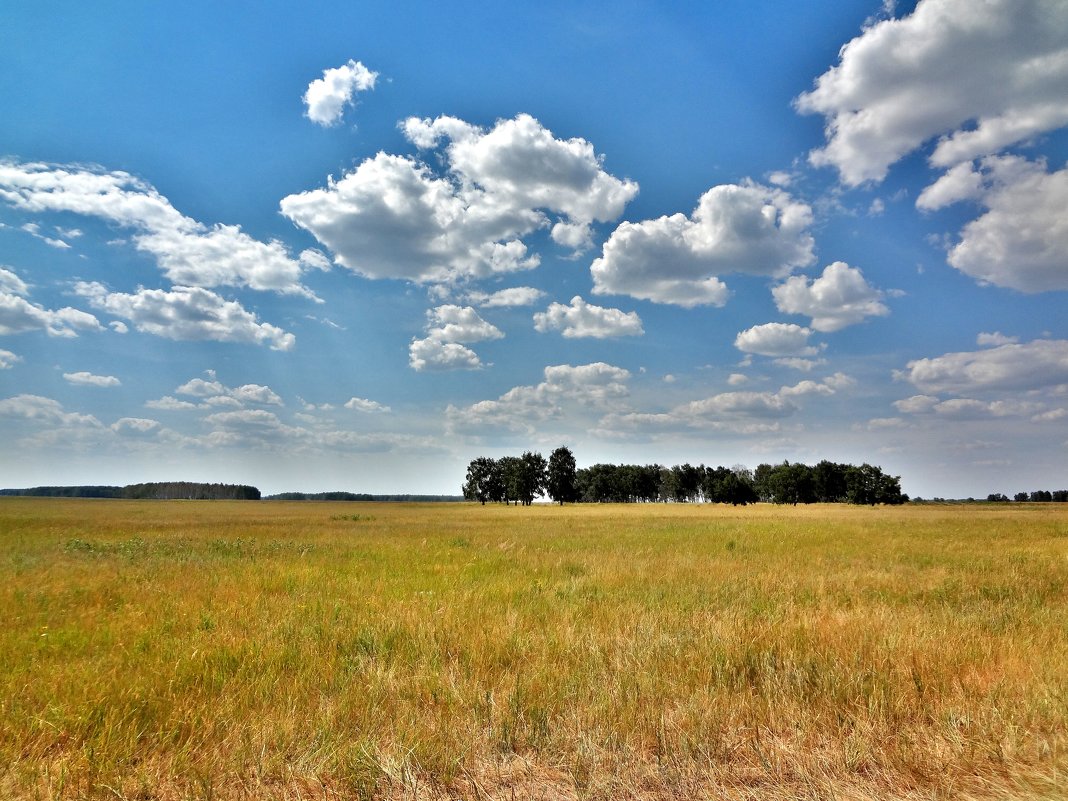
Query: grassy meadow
[{"x": 242, "y": 650}]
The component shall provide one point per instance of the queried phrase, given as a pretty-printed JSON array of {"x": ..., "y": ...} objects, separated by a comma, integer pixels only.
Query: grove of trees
[{"x": 519, "y": 479}]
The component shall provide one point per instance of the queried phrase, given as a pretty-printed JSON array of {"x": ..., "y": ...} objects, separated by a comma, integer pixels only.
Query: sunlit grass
[{"x": 306, "y": 650}]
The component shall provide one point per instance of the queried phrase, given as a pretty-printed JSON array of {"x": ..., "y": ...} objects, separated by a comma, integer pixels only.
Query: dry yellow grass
[{"x": 172, "y": 650}]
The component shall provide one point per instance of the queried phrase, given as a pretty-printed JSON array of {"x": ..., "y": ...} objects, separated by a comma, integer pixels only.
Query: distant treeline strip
[
  {"x": 361, "y": 496},
  {"x": 163, "y": 491}
]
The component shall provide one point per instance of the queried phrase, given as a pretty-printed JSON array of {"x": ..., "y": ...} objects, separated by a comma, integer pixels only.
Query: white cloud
[
  {"x": 581, "y": 319},
  {"x": 737, "y": 379},
  {"x": 797, "y": 363},
  {"x": 432, "y": 354},
  {"x": 917, "y": 404},
  {"x": 739, "y": 412},
  {"x": 216, "y": 393},
  {"x": 513, "y": 296},
  {"x": 995, "y": 339},
  {"x": 745, "y": 228},
  {"x": 10, "y": 283},
  {"x": 1021, "y": 241},
  {"x": 86, "y": 379},
  {"x": 1040, "y": 364},
  {"x": 188, "y": 252},
  {"x": 365, "y": 405},
  {"x": 118, "y": 327},
  {"x": 396, "y": 217},
  {"x": 327, "y": 97},
  {"x": 449, "y": 329},
  {"x": 838, "y": 298},
  {"x": 8, "y": 359},
  {"x": 44, "y": 410},
  {"x": 1052, "y": 416},
  {"x": 170, "y": 404},
  {"x": 136, "y": 426},
  {"x": 186, "y": 313},
  {"x": 18, "y": 315},
  {"x": 982, "y": 76},
  {"x": 776, "y": 339},
  {"x": 573, "y": 388}
]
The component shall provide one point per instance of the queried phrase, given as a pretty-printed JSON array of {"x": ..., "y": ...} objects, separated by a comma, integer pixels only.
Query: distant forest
[
  {"x": 162, "y": 491},
  {"x": 188, "y": 490},
  {"x": 360, "y": 496}
]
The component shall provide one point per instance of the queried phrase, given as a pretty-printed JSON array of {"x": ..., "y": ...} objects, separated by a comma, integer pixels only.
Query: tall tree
[
  {"x": 531, "y": 477},
  {"x": 560, "y": 480}
]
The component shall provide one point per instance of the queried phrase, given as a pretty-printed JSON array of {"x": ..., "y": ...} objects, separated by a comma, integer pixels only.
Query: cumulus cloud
[
  {"x": 397, "y": 217},
  {"x": 44, "y": 410},
  {"x": 738, "y": 411},
  {"x": 838, "y": 298},
  {"x": 581, "y": 319},
  {"x": 1040, "y": 364},
  {"x": 798, "y": 363},
  {"x": 215, "y": 393},
  {"x": 776, "y": 339},
  {"x": 1021, "y": 241},
  {"x": 513, "y": 296},
  {"x": 366, "y": 406},
  {"x": 135, "y": 426},
  {"x": 327, "y": 97},
  {"x": 186, "y": 313},
  {"x": 11, "y": 284},
  {"x": 981, "y": 76},
  {"x": 169, "y": 404},
  {"x": 18, "y": 315},
  {"x": 86, "y": 379},
  {"x": 594, "y": 386},
  {"x": 188, "y": 252},
  {"x": 8, "y": 359},
  {"x": 676, "y": 259},
  {"x": 994, "y": 339},
  {"x": 449, "y": 329},
  {"x": 432, "y": 354}
]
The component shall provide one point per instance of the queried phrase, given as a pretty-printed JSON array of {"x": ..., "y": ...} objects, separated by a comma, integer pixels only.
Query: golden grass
[{"x": 173, "y": 650}]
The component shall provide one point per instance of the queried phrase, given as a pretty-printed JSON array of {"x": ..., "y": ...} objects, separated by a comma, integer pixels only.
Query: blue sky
[{"x": 353, "y": 246}]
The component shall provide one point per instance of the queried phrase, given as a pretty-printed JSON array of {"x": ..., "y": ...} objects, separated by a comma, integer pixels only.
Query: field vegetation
[{"x": 252, "y": 650}]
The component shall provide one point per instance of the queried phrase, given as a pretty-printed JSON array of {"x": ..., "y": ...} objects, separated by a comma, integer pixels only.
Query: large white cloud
[
  {"x": 188, "y": 252},
  {"x": 776, "y": 339},
  {"x": 327, "y": 97},
  {"x": 449, "y": 329},
  {"x": 18, "y": 315},
  {"x": 1021, "y": 241},
  {"x": 676, "y": 259},
  {"x": 838, "y": 298},
  {"x": 396, "y": 217},
  {"x": 979, "y": 75},
  {"x": 570, "y": 388},
  {"x": 186, "y": 313},
  {"x": 581, "y": 319},
  {"x": 1040, "y": 364}
]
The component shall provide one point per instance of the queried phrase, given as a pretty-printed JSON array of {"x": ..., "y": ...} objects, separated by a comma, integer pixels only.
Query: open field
[{"x": 241, "y": 650}]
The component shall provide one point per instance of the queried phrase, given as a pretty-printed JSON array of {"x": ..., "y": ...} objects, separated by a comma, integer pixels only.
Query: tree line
[
  {"x": 1037, "y": 496},
  {"x": 520, "y": 479},
  {"x": 165, "y": 490}
]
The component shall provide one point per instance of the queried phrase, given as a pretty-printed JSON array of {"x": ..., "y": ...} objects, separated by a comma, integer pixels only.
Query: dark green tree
[
  {"x": 531, "y": 477},
  {"x": 561, "y": 475},
  {"x": 483, "y": 480}
]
